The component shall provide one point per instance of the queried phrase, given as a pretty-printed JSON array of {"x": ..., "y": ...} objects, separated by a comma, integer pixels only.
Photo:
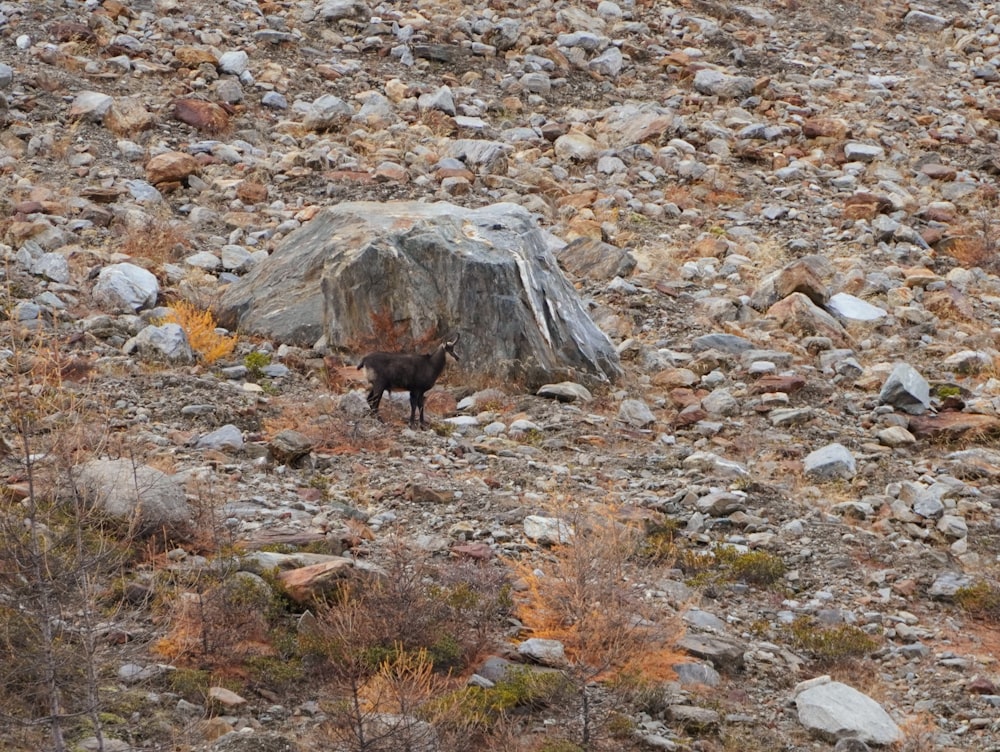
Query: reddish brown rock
[
  {"x": 863, "y": 205},
  {"x": 823, "y": 127},
  {"x": 251, "y": 192},
  {"x": 72, "y": 32},
  {"x": 192, "y": 57},
  {"x": 201, "y": 114},
  {"x": 476, "y": 551},
  {"x": 307, "y": 584},
  {"x": 955, "y": 426},
  {"x": 801, "y": 277},
  {"x": 798, "y": 315},
  {"x": 776, "y": 383},
  {"x": 169, "y": 167},
  {"x": 939, "y": 171}
]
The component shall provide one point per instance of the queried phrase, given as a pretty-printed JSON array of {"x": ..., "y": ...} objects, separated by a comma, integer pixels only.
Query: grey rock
[
  {"x": 946, "y": 584},
  {"x": 221, "y": 439},
  {"x": 546, "y": 652},
  {"x": 725, "y": 653},
  {"x": 952, "y": 526},
  {"x": 608, "y": 63},
  {"x": 142, "y": 497},
  {"x": 234, "y": 62},
  {"x": 928, "y": 504},
  {"x": 565, "y": 391},
  {"x": 859, "y": 152},
  {"x": 727, "y": 343},
  {"x": 517, "y": 314},
  {"x": 256, "y": 741},
  {"x": 205, "y": 260},
  {"x": 697, "y": 674},
  {"x": 923, "y": 21},
  {"x": 6, "y": 76},
  {"x": 236, "y": 258},
  {"x": 635, "y": 412},
  {"x": 274, "y": 100},
  {"x": 439, "y": 99},
  {"x": 547, "y": 529},
  {"x": 288, "y": 446},
  {"x": 325, "y": 112},
  {"x": 833, "y": 710},
  {"x": 906, "y": 389},
  {"x": 52, "y": 266},
  {"x": 595, "y": 259},
  {"x": 125, "y": 287},
  {"x": 719, "y": 84},
  {"x": 165, "y": 342},
  {"x": 834, "y": 461},
  {"x": 91, "y": 105},
  {"x": 337, "y": 10}
]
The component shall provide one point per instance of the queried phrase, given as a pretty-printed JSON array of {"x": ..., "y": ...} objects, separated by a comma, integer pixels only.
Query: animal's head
[{"x": 449, "y": 347}]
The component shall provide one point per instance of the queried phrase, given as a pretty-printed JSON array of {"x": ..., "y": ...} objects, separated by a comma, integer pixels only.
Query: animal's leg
[
  {"x": 414, "y": 405},
  {"x": 423, "y": 399},
  {"x": 374, "y": 398}
]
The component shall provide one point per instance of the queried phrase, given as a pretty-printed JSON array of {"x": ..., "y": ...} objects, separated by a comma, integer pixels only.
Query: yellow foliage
[
  {"x": 585, "y": 600},
  {"x": 200, "y": 329}
]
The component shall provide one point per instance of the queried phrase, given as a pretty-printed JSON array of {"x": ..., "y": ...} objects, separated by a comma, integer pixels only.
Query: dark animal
[{"x": 414, "y": 373}]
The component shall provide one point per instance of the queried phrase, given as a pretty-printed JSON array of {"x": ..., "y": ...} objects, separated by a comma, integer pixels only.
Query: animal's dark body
[{"x": 405, "y": 371}]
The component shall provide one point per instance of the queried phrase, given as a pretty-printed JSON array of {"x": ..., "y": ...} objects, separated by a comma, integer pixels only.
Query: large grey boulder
[
  {"x": 836, "y": 711},
  {"x": 431, "y": 269},
  {"x": 141, "y": 496}
]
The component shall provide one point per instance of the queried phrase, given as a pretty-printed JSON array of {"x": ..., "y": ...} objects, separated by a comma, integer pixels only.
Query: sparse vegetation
[
  {"x": 981, "y": 600},
  {"x": 728, "y": 564},
  {"x": 831, "y": 645},
  {"x": 255, "y": 363},
  {"x": 203, "y": 336}
]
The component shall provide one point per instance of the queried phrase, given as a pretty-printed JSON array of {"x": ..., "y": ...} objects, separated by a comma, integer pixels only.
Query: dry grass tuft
[
  {"x": 159, "y": 242},
  {"x": 201, "y": 331}
]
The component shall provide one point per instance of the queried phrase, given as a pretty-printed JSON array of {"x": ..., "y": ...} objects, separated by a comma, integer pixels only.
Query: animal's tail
[{"x": 362, "y": 364}]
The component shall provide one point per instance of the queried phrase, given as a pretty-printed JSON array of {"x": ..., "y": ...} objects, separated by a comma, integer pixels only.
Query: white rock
[
  {"x": 126, "y": 287},
  {"x": 167, "y": 342},
  {"x": 855, "y": 309},
  {"x": 829, "y": 462},
  {"x": 576, "y": 146},
  {"x": 234, "y": 62},
  {"x": 834, "y": 711},
  {"x": 545, "y": 652},
  {"x": 547, "y": 529}
]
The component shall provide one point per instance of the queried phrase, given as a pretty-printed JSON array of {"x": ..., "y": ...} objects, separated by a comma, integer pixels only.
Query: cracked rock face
[{"x": 488, "y": 274}]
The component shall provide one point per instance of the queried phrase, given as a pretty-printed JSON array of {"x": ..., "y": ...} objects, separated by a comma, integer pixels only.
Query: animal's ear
[{"x": 453, "y": 340}]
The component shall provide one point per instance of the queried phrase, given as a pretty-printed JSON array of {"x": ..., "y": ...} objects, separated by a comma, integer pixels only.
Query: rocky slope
[{"x": 808, "y": 193}]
